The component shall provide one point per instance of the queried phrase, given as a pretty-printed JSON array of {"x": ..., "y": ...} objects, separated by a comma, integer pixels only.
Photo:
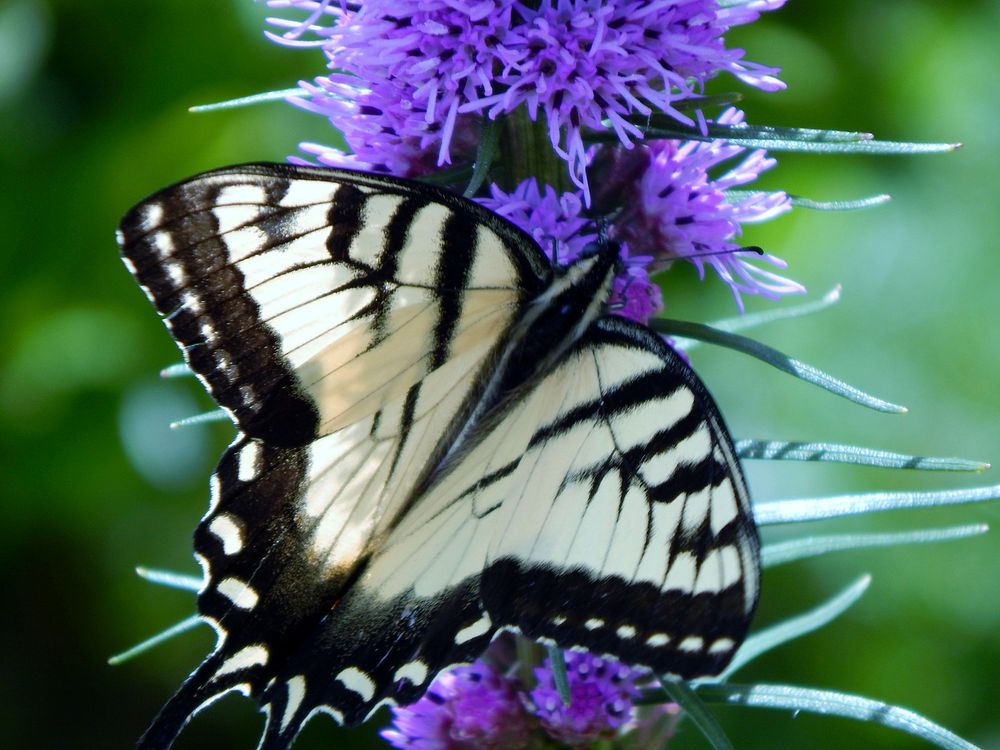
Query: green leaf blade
[
  {"x": 793, "y": 550},
  {"x": 832, "y": 703}
]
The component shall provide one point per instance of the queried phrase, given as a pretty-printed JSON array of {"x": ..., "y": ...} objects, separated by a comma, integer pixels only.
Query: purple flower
[
  {"x": 579, "y": 64},
  {"x": 673, "y": 209},
  {"x": 556, "y": 224},
  {"x": 466, "y": 708},
  {"x": 590, "y": 64},
  {"x": 553, "y": 220},
  {"x": 384, "y": 130},
  {"x": 601, "y": 694}
]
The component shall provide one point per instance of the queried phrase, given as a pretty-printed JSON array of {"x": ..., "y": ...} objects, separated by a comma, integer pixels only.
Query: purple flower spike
[
  {"x": 466, "y": 708},
  {"x": 577, "y": 64},
  {"x": 553, "y": 220},
  {"x": 601, "y": 694},
  {"x": 674, "y": 210},
  {"x": 384, "y": 130},
  {"x": 590, "y": 64}
]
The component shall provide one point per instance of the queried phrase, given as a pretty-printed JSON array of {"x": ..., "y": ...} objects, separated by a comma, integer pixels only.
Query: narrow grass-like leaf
[
  {"x": 216, "y": 415},
  {"x": 247, "y": 101},
  {"x": 795, "y": 627},
  {"x": 807, "y": 140},
  {"x": 855, "y": 205},
  {"x": 815, "y": 509},
  {"x": 716, "y": 131},
  {"x": 832, "y": 703},
  {"x": 711, "y": 101},
  {"x": 557, "y": 663},
  {"x": 459, "y": 174},
  {"x": 774, "y": 358},
  {"x": 798, "y": 201},
  {"x": 752, "y": 320},
  {"x": 486, "y": 153},
  {"x": 170, "y": 579},
  {"x": 779, "y": 553},
  {"x": 694, "y": 709},
  {"x": 179, "y": 370},
  {"x": 182, "y": 627},
  {"x": 786, "y": 450}
]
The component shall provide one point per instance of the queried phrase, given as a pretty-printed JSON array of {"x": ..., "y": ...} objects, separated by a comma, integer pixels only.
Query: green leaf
[
  {"x": 170, "y": 579},
  {"x": 694, "y": 709},
  {"x": 456, "y": 175},
  {"x": 808, "y": 140},
  {"x": 857, "y": 204},
  {"x": 779, "y": 553},
  {"x": 247, "y": 101},
  {"x": 557, "y": 663},
  {"x": 216, "y": 415},
  {"x": 784, "y": 450},
  {"x": 795, "y": 627},
  {"x": 182, "y": 627},
  {"x": 707, "y": 102},
  {"x": 832, "y": 703},
  {"x": 752, "y": 320},
  {"x": 774, "y": 358},
  {"x": 815, "y": 509},
  {"x": 798, "y": 201},
  {"x": 486, "y": 153}
]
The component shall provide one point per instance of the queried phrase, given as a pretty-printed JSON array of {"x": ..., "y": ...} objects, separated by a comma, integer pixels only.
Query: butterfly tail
[{"x": 201, "y": 688}]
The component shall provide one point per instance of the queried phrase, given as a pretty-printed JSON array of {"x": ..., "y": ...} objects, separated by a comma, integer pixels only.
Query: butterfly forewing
[
  {"x": 399, "y": 490},
  {"x": 306, "y": 299}
]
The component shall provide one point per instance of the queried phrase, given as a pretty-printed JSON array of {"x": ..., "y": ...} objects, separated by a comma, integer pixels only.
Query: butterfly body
[{"x": 440, "y": 437}]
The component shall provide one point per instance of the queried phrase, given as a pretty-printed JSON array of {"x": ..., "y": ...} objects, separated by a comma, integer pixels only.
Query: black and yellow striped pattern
[{"x": 439, "y": 437}]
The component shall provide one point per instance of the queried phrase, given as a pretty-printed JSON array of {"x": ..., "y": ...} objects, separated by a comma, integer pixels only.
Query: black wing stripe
[{"x": 648, "y": 571}]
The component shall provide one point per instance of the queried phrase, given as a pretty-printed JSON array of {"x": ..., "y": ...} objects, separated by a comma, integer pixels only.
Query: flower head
[
  {"x": 587, "y": 65},
  {"x": 601, "y": 694},
  {"x": 674, "y": 209},
  {"x": 466, "y": 708},
  {"x": 556, "y": 223},
  {"x": 578, "y": 64}
]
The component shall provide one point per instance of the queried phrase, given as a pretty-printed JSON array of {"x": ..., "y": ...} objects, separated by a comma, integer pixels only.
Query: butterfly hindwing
[{"x": 626, "y": 527}]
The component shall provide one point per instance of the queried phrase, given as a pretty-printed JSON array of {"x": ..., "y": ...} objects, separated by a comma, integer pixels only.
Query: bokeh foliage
[{"x": 93, "y": 100}]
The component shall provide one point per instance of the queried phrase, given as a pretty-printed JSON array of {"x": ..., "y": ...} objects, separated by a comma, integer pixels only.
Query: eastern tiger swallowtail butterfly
[{"x": 440, "y": 436}]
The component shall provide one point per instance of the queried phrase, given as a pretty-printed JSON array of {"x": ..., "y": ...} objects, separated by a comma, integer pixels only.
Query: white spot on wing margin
[
  {"x": 238, "y": 592},
  {"x": 476, "y": 629},
  {"x": 358, "y": 682},
  {"x": 296, "y": 693}
]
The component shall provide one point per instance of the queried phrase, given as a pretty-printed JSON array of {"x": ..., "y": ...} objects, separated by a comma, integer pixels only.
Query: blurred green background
[{"x": 93, "y": 116}]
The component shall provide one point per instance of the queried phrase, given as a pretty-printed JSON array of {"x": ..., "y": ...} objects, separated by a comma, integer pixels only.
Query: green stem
[{"x": 527, "y": 152}]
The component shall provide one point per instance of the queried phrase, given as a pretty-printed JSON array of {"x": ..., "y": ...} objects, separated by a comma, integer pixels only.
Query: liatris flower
[
  {"x": 417, "y": 65},
  {"x": 601, "y": 693},
  {"x": 672, "y": 209},
  {"x": 466, "y": 708},
  {"x": 556, "y": 222}
]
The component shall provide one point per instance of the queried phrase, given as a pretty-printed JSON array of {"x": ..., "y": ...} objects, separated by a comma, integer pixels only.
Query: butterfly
[{"x": 441, "y": 436}]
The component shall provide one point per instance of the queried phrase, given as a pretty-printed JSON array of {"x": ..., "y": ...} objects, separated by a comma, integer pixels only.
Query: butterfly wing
[
  {"x": 604, "y": 509},
  {"x": 614, "y": 508},
  {"x": 275, "y": 280},
  {"x": 345, "y": 323},
  {"x": 626, "y": 528}
]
